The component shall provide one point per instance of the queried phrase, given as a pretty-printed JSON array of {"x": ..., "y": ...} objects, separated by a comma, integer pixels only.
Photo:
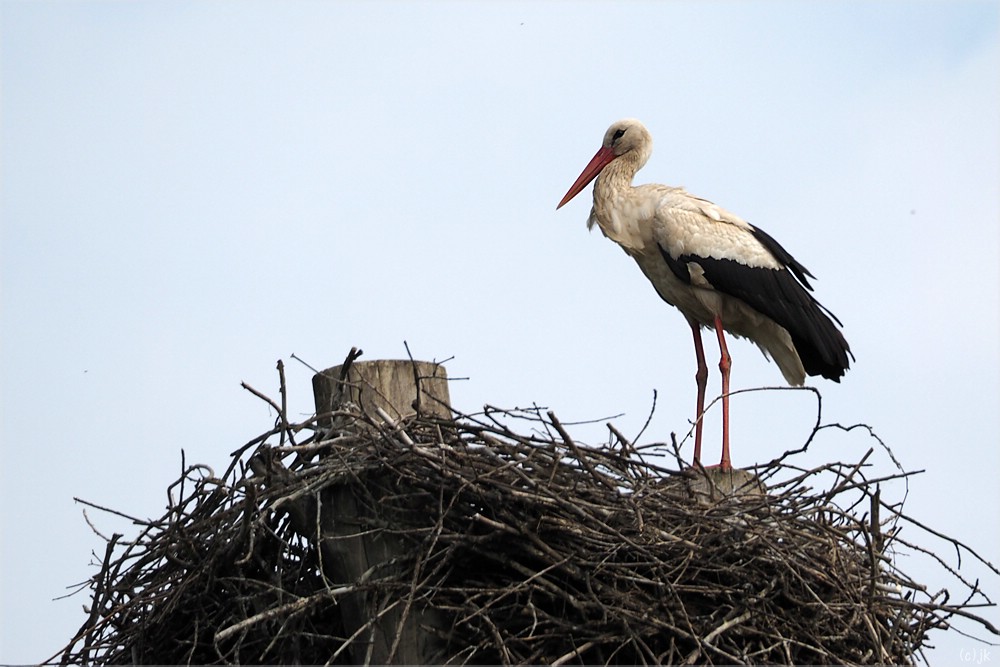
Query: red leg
[
  {"x": 701, "y": 377},
  {"x": 725, "y": 363}
]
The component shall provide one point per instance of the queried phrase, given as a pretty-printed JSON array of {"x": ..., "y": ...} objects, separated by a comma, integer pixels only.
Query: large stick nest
[{"x": 506, "y": 547}]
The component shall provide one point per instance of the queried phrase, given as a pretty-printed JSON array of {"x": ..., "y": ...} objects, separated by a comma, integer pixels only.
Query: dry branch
[{"x": 533, "y": 548}]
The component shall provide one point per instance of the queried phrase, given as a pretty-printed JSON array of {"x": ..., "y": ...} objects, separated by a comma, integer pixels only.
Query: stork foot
[{"x": 721, "y": 465}]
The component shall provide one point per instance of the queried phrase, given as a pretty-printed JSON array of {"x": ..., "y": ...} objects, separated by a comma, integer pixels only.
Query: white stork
[{"x": 717, "y": 269}]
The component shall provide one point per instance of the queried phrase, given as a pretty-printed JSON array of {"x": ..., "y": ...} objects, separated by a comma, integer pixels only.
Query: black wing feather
[
  {"x": 783, "y": 256},
  {"x": 780, "y": 294}
]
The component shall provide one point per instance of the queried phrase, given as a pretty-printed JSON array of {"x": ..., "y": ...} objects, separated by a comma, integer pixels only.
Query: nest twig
[{"x": 515, "y": 548}]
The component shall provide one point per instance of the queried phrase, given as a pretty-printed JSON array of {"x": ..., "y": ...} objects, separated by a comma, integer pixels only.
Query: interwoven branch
[{"x": 525, "y": 548}]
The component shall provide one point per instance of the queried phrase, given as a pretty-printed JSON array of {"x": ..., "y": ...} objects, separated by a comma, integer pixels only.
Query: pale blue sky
[{"x": 193, "y": 190}]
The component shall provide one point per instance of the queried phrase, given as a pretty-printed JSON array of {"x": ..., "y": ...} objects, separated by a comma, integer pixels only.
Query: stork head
[{"x": 628, "y": 138}]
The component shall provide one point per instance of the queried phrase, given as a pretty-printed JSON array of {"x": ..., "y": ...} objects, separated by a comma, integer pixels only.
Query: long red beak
[{"x": 590, "y": 172}]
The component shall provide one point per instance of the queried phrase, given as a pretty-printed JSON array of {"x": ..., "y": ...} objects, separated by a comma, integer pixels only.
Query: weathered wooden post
[
  {"x": 712, "y": 485},
  {"x": 399, "y": 386},
  {"x": 353, "y": 541}
]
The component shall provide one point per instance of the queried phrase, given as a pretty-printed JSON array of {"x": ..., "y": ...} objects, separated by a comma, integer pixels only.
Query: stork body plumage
[{"x": 719, "y": 270}]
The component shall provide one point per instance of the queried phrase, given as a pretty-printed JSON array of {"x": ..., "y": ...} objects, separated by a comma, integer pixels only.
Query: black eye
[{"x": 618, "y": 135}]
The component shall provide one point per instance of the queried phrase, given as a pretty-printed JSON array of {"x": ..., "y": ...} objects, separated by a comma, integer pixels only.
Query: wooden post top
[{"x": 400, "y": 387}]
